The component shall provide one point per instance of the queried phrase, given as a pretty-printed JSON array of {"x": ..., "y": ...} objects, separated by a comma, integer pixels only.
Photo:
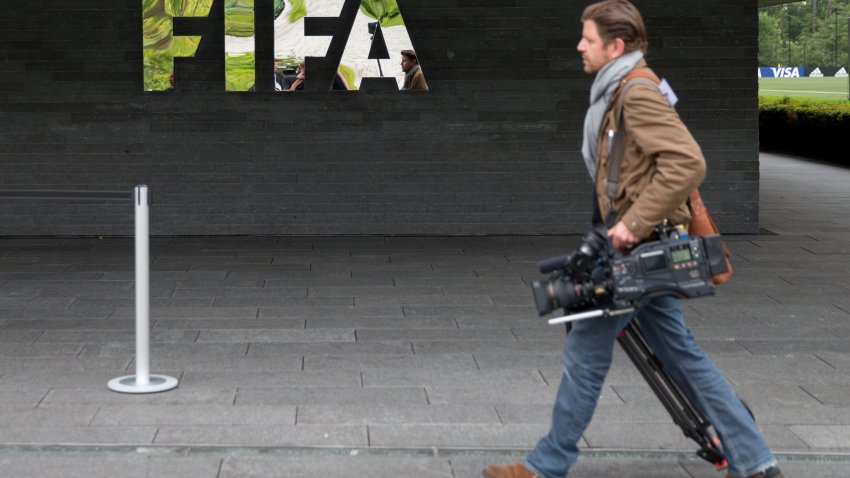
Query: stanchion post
[
  {"x": 143, "y": 310},
  {"x": 143, "y": 381}
]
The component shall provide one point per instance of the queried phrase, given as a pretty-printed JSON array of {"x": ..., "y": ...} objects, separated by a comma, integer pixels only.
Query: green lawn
[{"x": 819, "y": 88}]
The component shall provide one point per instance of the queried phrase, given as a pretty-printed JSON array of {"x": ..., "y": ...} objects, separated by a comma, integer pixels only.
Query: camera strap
[{"x": 616, "y": 144}]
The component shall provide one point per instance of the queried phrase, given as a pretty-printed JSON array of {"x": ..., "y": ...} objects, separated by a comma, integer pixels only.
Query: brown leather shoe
[{"x": 513, "y": 471}]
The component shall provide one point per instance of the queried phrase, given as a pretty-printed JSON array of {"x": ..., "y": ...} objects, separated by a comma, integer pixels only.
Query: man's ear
[{"x": 617, "y": 47}]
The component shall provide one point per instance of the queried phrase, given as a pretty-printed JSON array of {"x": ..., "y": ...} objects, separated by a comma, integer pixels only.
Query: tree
[
  {"x": 814, "y": 16},
  {"x": 769, "y": 38},
  {"x": 812, "y": 37}
]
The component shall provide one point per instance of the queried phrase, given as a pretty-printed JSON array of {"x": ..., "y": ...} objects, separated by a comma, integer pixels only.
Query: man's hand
[{"x": 622, "y": 237}]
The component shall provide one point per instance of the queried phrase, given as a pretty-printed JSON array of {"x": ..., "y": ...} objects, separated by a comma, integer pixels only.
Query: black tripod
[{"x": 685, "y": 415}]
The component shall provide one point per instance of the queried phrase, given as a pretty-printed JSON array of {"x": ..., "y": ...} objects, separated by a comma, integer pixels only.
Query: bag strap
[{"x": 616, "y": 146}]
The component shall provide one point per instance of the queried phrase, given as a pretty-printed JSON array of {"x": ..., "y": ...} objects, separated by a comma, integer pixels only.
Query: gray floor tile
[
  {"x": 193, "y": 414},
  {"x": 331, "y": 395},
  {"x": 823, "y": 436},
  {"x": 279, "y": 435},
  {"x": 52, "y": 465},
  {"x": 276, "y": 335},
  {"x": 435, "y": 334},
  {"x": 383, "y": 323},
  {"x": 243, "y": 379},
  {"x": 333, "y": 467},
  {"x": 453, "y": 362},
  {"x": 182, "y": 395},
  {"x": 271, "y": 350},
  {"x": 82, "y": 435},
  {"x": 464, "y": 435},
  {"x": 397, "y": 413}
]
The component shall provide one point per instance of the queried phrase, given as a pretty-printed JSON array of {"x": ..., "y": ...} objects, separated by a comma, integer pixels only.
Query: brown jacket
[
  {"x": 661, "y": 164},
  {"x": 418, "y": 81}
]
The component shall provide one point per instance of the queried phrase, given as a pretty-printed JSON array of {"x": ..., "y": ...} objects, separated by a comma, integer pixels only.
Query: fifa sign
[{"x": 378, "y": 31}]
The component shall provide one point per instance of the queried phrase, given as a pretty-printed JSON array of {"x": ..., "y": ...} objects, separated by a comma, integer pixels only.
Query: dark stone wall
[{"x": 492, "y": 149}]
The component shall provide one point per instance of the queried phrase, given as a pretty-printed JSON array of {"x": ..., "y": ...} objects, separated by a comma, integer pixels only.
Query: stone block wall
[{"x": 493, "y": 148}]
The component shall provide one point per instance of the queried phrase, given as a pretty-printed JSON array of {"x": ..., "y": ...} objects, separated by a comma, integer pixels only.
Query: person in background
[
  {"x": 414, "y": 79},
  {"x": 297, "y": 83}
]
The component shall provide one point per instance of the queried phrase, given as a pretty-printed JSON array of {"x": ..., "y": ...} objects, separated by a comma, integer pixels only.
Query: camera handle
[{"x": 591, "y": 314}]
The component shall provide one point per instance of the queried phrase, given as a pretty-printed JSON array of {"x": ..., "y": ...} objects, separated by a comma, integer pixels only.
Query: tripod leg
[{"x": 684, "y": 414}]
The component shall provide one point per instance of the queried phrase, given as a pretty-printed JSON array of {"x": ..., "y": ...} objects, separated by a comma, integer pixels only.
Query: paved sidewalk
[{"x": 400, "y": 356}]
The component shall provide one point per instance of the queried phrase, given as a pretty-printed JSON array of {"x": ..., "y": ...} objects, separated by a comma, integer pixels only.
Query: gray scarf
[
  {"x": 408, "y": 77},
  {"x": 606, "y": 83}
]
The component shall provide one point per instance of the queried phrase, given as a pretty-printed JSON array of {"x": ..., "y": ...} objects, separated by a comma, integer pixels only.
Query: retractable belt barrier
[{"x": 142, "y": 381}]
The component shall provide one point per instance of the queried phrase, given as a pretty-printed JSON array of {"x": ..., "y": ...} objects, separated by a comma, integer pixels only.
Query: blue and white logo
[{"x": 781, "y": 72}]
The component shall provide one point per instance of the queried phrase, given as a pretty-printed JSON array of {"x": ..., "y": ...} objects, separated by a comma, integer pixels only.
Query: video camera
[{"x": 597, "y": 280}]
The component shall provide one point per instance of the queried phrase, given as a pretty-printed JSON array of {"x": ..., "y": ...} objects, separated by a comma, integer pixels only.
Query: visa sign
[
  {"x": 781, "y": 72},
  {"x": 373, "y": 42}
]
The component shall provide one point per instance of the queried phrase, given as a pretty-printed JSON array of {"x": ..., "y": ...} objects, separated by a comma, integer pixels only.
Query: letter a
[{"x": 376, "y": 20}]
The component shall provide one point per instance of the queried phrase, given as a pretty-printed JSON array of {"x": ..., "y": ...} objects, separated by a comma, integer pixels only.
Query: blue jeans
[{"x": 587, "y": 357}]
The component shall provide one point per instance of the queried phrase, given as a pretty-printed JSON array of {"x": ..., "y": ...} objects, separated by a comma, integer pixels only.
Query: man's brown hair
[
  {"x": 410, "y": 55},
  {"x": 618, "y": 19}
]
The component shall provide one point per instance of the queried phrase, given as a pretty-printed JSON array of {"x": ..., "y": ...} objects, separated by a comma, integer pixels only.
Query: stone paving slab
[
  {"x": 269, "y": 350},
  {"x": 71, "y": 324},
  {"x": 263, "y": 379},
  {"x": 379, "y": 467},
  {"x": 129, "y": 302},
  {"x": 261, "y": 435},
  {"x": 227, "y": 324},
  {"x": 192, "y": 414},
  {"x": 76, "y": 337},
  {"x": 100, "y": 312},
  {"x": 87, "y": 435},
  {"x": 435, "y": 334},
  {"x": 513, "y": 349},
  {"x": 394, "y": 413},
  {"x": 456, "y": 435},
  {"x": 331, "y": 395},
  {"x": 360, "y": 323},
  {"x": 70, "y": 465},
  {"x": 12, "y": 416},
  {"x": 470, "y": 311},
  {"x": 326, "y": 311},
  {"x": 409, "y": 362},
  {"x": 178, "y": 312},
  {"x": 823, "y": 436},
  {"x": 260, "y": 294},
  {"x": 275, "y": 335},
  {"x": 285, "y": 362},
  {"x": 100, "y": 395},
  {"x": 189, "y": 352}
]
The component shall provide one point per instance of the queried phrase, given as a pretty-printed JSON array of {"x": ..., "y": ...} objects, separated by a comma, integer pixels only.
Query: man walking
[
  {"x": 414, "y": 79},
  {"x": 661, "y": 164}
]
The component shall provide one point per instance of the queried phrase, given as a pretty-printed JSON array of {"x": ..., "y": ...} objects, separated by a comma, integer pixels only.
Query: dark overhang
[{"x": 767, "y": 3}]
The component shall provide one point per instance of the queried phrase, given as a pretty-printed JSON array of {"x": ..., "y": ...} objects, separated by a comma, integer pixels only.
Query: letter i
[{"x": 239, "y": 45}]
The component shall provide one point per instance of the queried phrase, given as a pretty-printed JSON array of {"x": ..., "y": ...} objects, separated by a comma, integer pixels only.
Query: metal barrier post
[{"x": 143, "y": 381}]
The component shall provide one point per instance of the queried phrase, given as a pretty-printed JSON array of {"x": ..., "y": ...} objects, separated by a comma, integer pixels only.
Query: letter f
[{"x": 160, "y": 44}]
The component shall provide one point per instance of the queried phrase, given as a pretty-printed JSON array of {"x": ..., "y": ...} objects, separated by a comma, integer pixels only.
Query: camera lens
[{"x": 560, "y": 293}]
